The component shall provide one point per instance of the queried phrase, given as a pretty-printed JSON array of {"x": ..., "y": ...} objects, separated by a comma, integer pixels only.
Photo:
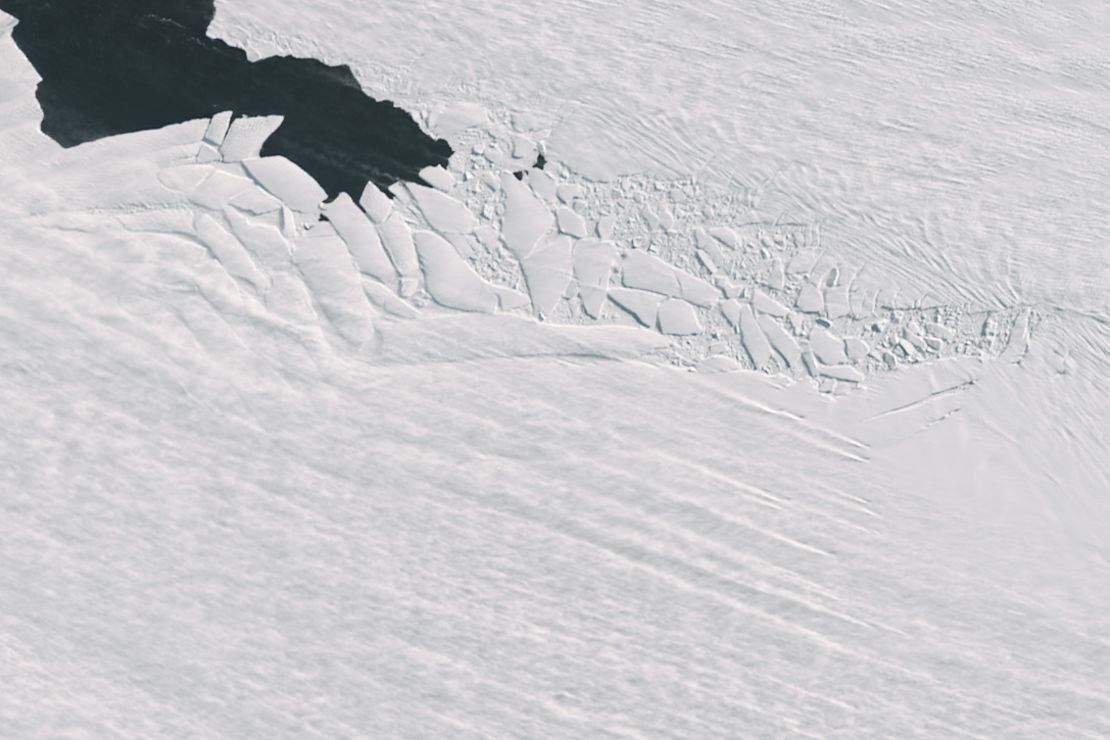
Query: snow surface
[{"x": 773, "y": 406}]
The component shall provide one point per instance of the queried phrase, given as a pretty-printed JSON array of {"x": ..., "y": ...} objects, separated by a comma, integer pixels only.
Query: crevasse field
[{"x": 774, "y": 405}]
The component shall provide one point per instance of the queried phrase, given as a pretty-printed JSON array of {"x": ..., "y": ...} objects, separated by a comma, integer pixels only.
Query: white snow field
[{"x": 775, "y": 405}]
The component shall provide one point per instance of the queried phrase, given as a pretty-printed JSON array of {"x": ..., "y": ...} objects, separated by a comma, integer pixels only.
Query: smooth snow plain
[{"x": 772, "y": 406}]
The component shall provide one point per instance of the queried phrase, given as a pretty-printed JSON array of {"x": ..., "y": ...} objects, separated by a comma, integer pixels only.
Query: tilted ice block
[
  {"x": 856, "y": 349},
  {"x": 593, "y": 265},
  {"x": 335, "y": 284},
  {"x": 543, "y": 184},
  {"x": 442, "y": 212},
  {"x": 385, "y": 299},
  {"x": 810, "y": 299},
  {"x": 292, "y": 185},
  {"x": 725, "y": 236},
  {"x": 256, "y": 201},
  {"x": 218, "y": 189},
  {"x": 217, "y": 128},
  {"x": 228, "y": 251},
  {"x": 643, "y": 305},
  {"x": 678, "y": 317},
  {"x": 375, "y": 203},
  {"x": 265, "y": 243},
  {"x": 184, "y": 178},
  {"x": 246, "y": 136},
  {"x": 438, "y": 178},
  {"x": 765, "y": 304},
  {"x": 643, "y": 271},
  {"x": 449, "y": 279},
  {"x": 828, "y": 348},
  {"x": 754, "y": 340},
  {"x": 397, "y": 239},
  {"x": 458, "y": 117},
  {"x": 526, "y": 219},
  {"x": 548, "y": 271},
  {"x": 570, "y": 222},
  {"x": 361, "y": 237},
  {"x": 730, "y": 309},
  {"x": 783, "y": 343}
]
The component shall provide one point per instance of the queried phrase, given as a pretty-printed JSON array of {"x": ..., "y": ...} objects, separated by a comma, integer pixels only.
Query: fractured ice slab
[
  {"x": 375, "y": 203},
  {"x": 526, "y": 219},
  {"x": 644, "y": 271},
  {"x": 458, "y": 117},
  {"x": 218, "y": 188},
  {"x": 677, "y": 317},
  {"x": 256, "y": 201},
  {"x": 385, "y": 299},
  {"x": 783, "y": 343},
  {"x": 183, "y": 178},
  {"x": 228, "y": 251},
  {"x": 810, "y": 299},
  {"x": 438, "y": 177},
  {"x": 543, "y": 184},
  {"x": 730, "y": 309},
  {"x": 752, "y": 337},
  {"x": 246, "y": 136},
  {"x": 449, "y": 280},
  {"x": 265, "y": 243},
  {"x": 397, "y": 239},
  {"x": 361, "y": 237},
  {"x": 217, "y": 128},
  {"x": 547, "y": 271},
  {"x": 288, "y": 182},
  {"x": 509, "y": 299},
  {"x": 725, "y": 236},
  {"x": 593, "y": 265},
  {"x": 335, "y": 285},
  {"x": 765, "y": 304},
  {"x": 828, "y": 348},
  {"x": 570, "y": 222},
  {"x": 641, "y": 304},
  {"x": 442, "y": 212}
]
